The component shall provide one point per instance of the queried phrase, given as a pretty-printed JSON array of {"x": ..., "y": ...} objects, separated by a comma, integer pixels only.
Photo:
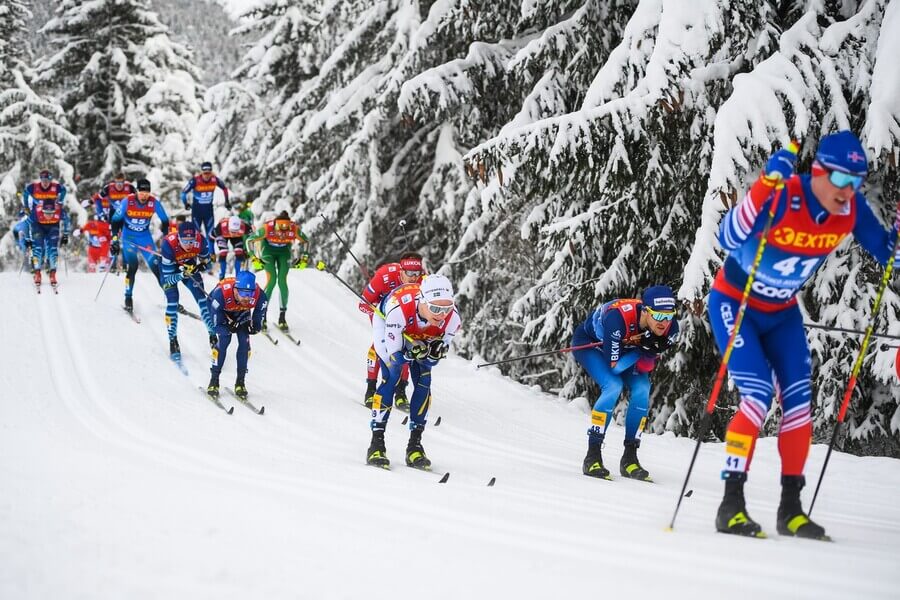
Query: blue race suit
[
  {"x": 203, "y": 192},
  {"x": 45, "y": 216},
  {"x": 619, "y": 362},
  {"x": 231, "y": 318},
  {"x": 174, "y": 257},
  {"x": 133, "y": 219}
]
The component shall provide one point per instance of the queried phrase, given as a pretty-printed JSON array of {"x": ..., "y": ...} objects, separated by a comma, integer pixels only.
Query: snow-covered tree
[
  {"x": 33, "y": 128},
  {"x": 129, "y": 90}
]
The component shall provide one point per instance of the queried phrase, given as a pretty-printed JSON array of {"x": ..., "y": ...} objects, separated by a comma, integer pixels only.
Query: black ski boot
[
  {"x": 371, "y": 386},
  {"x": 282, "y": 322},
  {"x": 732, "y": 516},
  {"x": 791, "y": 518},
  {"x": 174, "y": 348},
  {"x": 377, "y": 454},
  {"x": 415, "y": 453},
  {"x": 401, "y": 402},
  {"x": 129, "y": 304},
  {"x": 240, "y": 390},
  {"x": 593, "y": 462},
  {"x": 213, "y": 388},
  {"x": 629, "y": 465}
]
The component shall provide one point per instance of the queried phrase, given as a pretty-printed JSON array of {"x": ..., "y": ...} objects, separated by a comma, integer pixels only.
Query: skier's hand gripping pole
[
  {"x": 851, "y": 384},
  {"x": 777, "y": 186}
]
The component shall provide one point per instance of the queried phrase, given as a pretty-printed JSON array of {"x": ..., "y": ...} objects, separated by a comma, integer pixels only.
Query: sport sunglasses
[
  {"x": 842, "y": 180},
  {"x": 439, "y": 309},
  {"x": 660, "y": 315}
]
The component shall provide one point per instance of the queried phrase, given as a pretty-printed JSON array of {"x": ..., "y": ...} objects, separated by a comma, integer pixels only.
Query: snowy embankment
[{"x": 120, "y": 480}]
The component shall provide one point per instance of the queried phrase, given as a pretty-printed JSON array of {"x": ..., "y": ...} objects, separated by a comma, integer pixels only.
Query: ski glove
[
  {"x": 654, "y": 344},
  {"x": 416, "y": 352},
  {"x": 780, "y": 166},
  {"x": 64, "y": 240},
  {"x": 645, "y": 364},
  {"x": 365, "y": 307},
  {"x": 114, "y": 247},
  {"x": 437, "y": 350}
]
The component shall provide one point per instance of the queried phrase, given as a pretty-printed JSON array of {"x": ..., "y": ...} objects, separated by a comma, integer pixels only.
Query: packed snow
[{"x": 121, "y": 480}]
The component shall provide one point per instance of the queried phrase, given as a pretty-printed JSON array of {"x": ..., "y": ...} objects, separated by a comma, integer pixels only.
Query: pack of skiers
[{"x": 414, "y": 317}]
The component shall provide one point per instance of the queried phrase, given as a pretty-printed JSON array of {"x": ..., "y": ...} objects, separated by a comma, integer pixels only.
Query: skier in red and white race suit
[
  {"x": 99, "y": 237},
  {"x": 419, "y": 321},
  {"x": 385, "y": 280}
]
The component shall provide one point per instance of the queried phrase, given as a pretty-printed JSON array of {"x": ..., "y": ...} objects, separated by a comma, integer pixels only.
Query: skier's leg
[
  {"x": 635, "y": 420},
  {"x": 421, "y": 397},
  {"x": 284, "y": 259},
  {"x": 172, "y": 311},
  {"x": 383, "y": 400},
  {"x": 220, "y": 351},
  {"x": 222, "y": 248},
  {"x": 239, "y": 254},
  {"x": 610, "y": 388},
  {"x": 52, "y": 241}
]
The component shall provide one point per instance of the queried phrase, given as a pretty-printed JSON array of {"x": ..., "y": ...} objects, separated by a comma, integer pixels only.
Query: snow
[{"x": 123, "y": 481}]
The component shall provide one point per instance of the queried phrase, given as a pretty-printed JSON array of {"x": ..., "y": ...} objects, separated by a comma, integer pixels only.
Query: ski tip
[
  {"x": 405, "y": 420},
  {"x": 689, "y": 493},
  {"x": 438, "y": 422},
  {"x": 492, "y": 482},
  {"x": 262, "y": 410},
  {"x": 445, "y": 477},
  {"x": 230, "y": 410}
]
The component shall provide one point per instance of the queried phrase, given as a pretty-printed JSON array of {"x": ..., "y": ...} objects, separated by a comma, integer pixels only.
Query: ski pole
[
  {"x": 362, "y": 268},
  {"x": 101, "y": 284},
  {"x": 857, "y": 366},
  {"x": 856, "y": 331},
  {"x": 706, "y": 419},
  {"x": 569, "y": 349}
]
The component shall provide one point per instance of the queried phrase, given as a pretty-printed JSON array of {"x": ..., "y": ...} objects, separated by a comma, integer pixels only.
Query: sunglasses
[
  {"x": 660, "y": 315},
  {"x": 413, "y": 273},
  {"x": 244, "y": 295},
  {"x": 439, "y": 309},
  {"x": 842, "y": 180}
]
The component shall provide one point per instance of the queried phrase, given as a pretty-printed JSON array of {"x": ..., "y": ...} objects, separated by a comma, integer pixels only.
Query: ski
[
  {"x": 406, "y": 420},
  {"x": 492, "y": 482},
  {"x": 183, "y": 311},
  {"x": 290, "y": 337},
  {"x": 269, "y": 336},
  {"x": 176, "y": 358},
  {"x": 133, "y": 316},
  {"x": 260, "y": 411},
  {"x": 215, "y": 400}
]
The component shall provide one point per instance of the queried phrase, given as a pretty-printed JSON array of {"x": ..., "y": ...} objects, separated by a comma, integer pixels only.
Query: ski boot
[
  {"x": 371, "y": 386},
  {"x": 282, "y": 322},
  {"x": 377, "y": 454},
  {"x": 174, "y": 348},
  {"x": 213, "y": 340},
  {"x": 53, "y": 283},
  {"x": 212, "y": 390},
  {"x": 415, "y": 453},
  {"x": 240, "y": 390},
  {"x": 732, "y": 516},
  {"x": 593, "y": 462},
  {"x": 401, "y": 402},
  {"x": 792, "y": 520},
  {"x": 37, "y": 280},
  {"x": 629, "y": 465},
  {"x": 129, "y": 304}
]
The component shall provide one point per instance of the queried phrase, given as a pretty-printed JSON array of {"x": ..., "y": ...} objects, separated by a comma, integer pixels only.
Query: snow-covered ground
[{"x": 120, "y": 480}]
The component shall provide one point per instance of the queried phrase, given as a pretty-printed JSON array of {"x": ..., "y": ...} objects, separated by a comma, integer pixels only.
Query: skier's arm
[
  {"x": 217, "y": 307},
  {"x": 744, "y": 220},
  {"x": 259, "y": 312},
  {"x": 170, "y": 273},
  {"x": 185, "y": 191},
  {"x": 61, "y": 195},
  {"x": 221, "y": 184},
  {"x": 118, "y": 219},
  {"x": 163, "y": 217},
  {"x": 387, "y": 333},
  {"x": 870, "y": 234},
  {"x": 614, "y": 350},
  {"x": 66, "y": 222}
]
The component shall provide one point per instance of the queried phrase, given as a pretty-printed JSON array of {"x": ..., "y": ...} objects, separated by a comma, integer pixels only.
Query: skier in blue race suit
[
  {"x": 184, "y": 256},
  {"x": 202, "y": 188},
  {"x": 633, "y": 333},
  {"x": 132, "y": 219},
  {"x": 238, "y": 308},
  {"x": 44, "y": 200},
  {"x": 813, "y": 215},
  {"x": 21, "y": 232}
]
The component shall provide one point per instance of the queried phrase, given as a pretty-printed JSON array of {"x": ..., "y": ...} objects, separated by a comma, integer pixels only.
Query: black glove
[
  {"x": 654, "y": 344},
  {"x": 437, "y": 350},
  {"x": 114, "y": 247},
  {"x": 233, "y": 326},
  {"x": 415, "y": 352},
  {"x": 64, "y": 240},
  {"x": 28, "y": 244},
  {"x": 187, "y": 206},
  {"x": 252, "y": 330},
  {"x": 228, "y": 205}
]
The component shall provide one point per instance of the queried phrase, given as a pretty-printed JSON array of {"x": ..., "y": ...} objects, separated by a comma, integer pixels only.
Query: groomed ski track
[{"x": 119, "y": 480}]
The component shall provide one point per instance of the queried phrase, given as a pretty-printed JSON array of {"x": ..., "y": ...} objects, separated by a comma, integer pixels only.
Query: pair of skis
[
  {"x": 284, "y": 332},
  {"x": 230, "y": 410}
]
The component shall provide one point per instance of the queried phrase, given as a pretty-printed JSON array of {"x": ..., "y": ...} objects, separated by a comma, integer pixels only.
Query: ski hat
[
  {"x": 244, "y": 281},
  {"x": 143, "y": 185},
  {"x": 436, "y": 287},
  {"x": 659, "y": 297},
  {"x": 411, "y": 263},
  {"x": 187, "y": 230},
  {"x": 45, "y": 174},
  {"x": 842, "y": 151},
  {"x": 206, "y": 167},
  {"x": 234, "y": 224}
]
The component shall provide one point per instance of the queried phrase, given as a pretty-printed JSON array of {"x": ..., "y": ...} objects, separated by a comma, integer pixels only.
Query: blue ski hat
[
  {"x": 206, "y": 167},
  {"x": 245, "y": 280},
  {"x": 187, "y": 230},
  {"x": 659, "y": 297},
  {"x": 842, "y": 151}
]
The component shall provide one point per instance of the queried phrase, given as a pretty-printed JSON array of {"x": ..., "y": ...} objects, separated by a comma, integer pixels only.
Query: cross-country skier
[
  {"x": 276, "y": 238},
  {"x": 184, "y": 256},
  {"x": 230, "y": 230},
  {"x": 48, "y": 223},
  {"x": 813, "y": 214},
  {"x": 386, "y": 278},
  {"x": 20, "y": 233},
  {"x": 419, "y": 322},
  {"x": 107, "y": 200},
  {"x": 131, "y": 233},
  {"x": 634, "y": 332},
  {"x": 99, "y": 237},
  {"x": 202, "y": 188},
  {"x": 238, "y": 307}
]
